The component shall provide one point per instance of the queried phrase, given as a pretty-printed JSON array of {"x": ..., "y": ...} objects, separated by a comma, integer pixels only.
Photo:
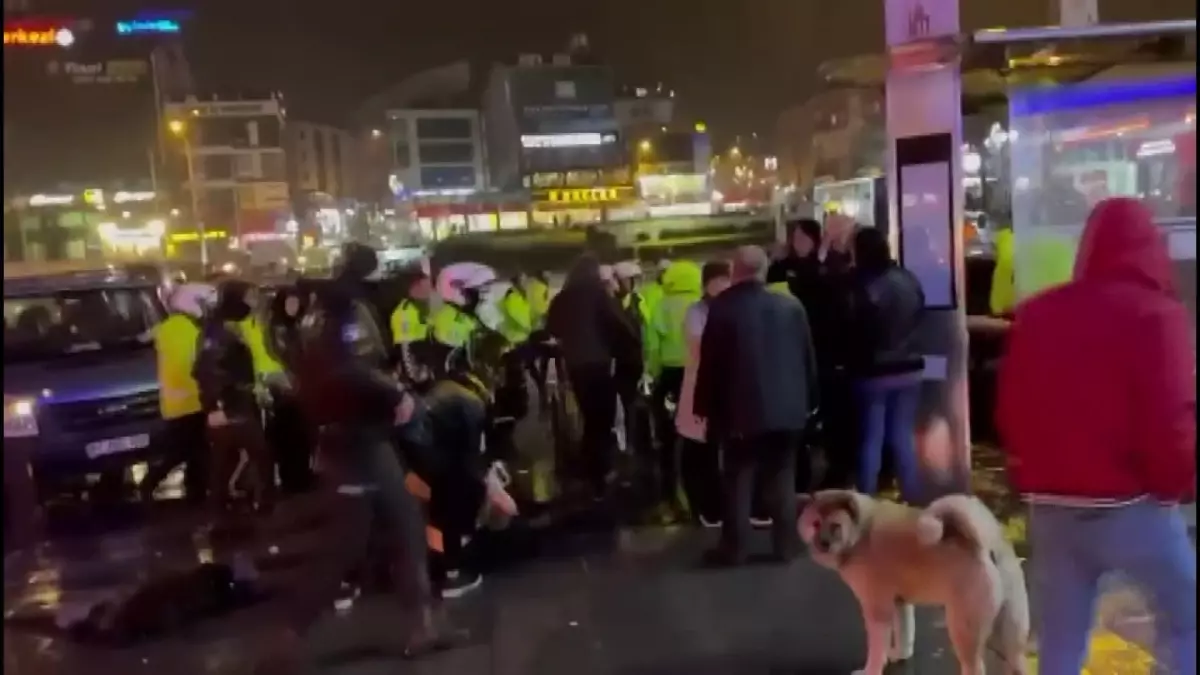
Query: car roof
[{"x": 22, "y": 281}]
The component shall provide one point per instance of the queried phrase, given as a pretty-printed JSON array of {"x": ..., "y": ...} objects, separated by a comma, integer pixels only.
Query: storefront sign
[
  {"x": 53, "y": 36},
  {"x": 583, "y": 195},
  {"x": 121, "y": 71}
]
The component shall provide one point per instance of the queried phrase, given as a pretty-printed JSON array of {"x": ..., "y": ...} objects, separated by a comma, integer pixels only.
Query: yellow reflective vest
[
  {"x": 175, "y": 343},
  {"x": 516, "y": 317},
  {"x": 252, "y": 333},
  {"x": 539, "y": 302}
]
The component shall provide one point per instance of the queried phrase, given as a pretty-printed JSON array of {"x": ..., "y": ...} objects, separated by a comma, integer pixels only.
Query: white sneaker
[
  {"x": 459, "y": 584},
  {"x": 761, "y": 522},
  {"x": 710, "y": 524}
]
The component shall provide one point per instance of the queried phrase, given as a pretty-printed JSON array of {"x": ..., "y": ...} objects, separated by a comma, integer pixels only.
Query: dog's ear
[{"x": 831, "y": 501}]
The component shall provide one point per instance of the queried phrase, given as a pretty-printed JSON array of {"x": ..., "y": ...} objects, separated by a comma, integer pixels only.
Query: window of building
[
  {"x": 447, "y": 177},
  {"x": 401, "y": 155},
  {"x": 215, "y": 167},
  {"x": 273, "y": 167},
  {"x": 443, "y": 127},
  {"x": 446, "y": 153}
]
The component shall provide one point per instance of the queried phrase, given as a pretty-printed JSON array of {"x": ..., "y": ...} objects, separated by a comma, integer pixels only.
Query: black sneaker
[{"x": 459, "y": 583}]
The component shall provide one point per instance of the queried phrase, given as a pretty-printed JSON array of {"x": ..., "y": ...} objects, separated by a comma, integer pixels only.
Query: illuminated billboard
[
  {"x": 42, "y": 36},
  {"x": 148, "y": 27}
]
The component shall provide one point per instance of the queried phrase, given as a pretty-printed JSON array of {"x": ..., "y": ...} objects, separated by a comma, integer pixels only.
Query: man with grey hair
[
  {"x": 750, "y": 262},
  {"x": 757, "y": 386}
]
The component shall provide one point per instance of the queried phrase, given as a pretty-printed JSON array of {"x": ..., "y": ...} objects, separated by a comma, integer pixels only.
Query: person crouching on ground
[{"x": 1097, "y": 411}]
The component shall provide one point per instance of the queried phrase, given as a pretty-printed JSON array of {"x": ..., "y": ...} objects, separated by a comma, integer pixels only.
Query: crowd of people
[{"x": 744, "y": 367}]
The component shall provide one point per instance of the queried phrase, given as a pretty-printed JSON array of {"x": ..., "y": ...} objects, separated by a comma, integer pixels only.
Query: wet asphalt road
[{"x": 593, "y": 599}]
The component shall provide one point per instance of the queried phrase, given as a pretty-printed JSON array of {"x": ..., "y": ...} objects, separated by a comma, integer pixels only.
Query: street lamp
[
  {"x": 179, "y": 130},
  {"x": 645, "y": 146}
]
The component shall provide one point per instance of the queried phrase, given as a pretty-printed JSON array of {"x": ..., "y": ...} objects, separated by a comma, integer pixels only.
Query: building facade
[
  {"x": 552, "y": 129},
  {"x": 84, "y": 100},
  {"x": 238, "y": 170},
  {"x": 437, "y": 151}
]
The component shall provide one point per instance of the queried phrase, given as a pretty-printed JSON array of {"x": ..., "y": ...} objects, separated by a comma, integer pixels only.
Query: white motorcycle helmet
[
  {"x": 459, "y": 277},
  {"x": 193, "y": 300},
  {"x": 627, "y": 270}
]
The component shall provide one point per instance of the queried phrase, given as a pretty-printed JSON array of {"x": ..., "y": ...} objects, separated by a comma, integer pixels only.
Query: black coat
[
  {"x": 884, "y": 327},
  {"x": 591, "y": 328},
  {"x": 757, "y": 370}
]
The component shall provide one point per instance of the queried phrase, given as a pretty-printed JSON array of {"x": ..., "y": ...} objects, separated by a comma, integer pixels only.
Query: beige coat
[{"x": 686, "y": 423}]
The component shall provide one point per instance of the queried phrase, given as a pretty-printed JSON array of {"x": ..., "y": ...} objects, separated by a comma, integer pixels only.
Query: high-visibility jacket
[
  {"x": 175, "y": 343},
  {"x": 780, "y": 287},
  {"x": 539, "y": 302},
  {"x": 1043, "y": 260},
  {"x": 666, "y": 343},
  {"x": 253, "y": 334},
  {"x": 1003, "y": 297},
  {"x": 410, "y": 339},
  {"x": 452, "y": 326},
  {"x": 409, "y": 323},
  {"x": 516, "y": 320}
]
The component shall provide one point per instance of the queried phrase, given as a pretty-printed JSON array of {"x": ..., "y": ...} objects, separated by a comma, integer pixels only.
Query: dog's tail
[{"x": 959, "y": 516}]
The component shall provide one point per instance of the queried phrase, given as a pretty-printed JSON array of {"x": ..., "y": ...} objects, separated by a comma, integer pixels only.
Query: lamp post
[{"x": 180, "y": 130}]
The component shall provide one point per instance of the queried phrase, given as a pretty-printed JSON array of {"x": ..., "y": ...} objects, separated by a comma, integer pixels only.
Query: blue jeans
[
  {"x": 1072, "y": 548},
  {"x": 888, "y": 409}
]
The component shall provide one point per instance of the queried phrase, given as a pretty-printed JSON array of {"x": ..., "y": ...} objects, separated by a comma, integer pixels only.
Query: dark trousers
[
  {"x": 243, "y": 433},
  {"x": 291, "y": 442},
  {"x": 183, "y": 442},
  {"x": 454, "y": 504},
  {"x": 596, "y": 395},
  {"x": 839, "y": 436},
  {"x": 773, "y": 457},
  {"x": 367, "y": 501},
  {"x": 700, "y": 472},
  {"x": 669, "y": 382}
]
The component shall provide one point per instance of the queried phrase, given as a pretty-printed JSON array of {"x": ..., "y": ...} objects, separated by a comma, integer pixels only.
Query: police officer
[
  {"x": 347, "y": 384},
  {"x": 666, "y": 355},
  {"x": 537, "y": 292},
  {"x": 411, "y": 332},
  {"x": 455, "y": 321},
  {"x": 516, "y": 312},
  {"x": 175, "y": 341},
  {"x": 225, "y": 372}
]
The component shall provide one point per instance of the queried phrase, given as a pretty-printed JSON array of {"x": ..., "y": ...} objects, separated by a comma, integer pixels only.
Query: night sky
[{"x": 734, "y": 63}]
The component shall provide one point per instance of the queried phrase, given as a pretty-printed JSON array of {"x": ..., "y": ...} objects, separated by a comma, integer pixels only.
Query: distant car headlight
[{"x": 20, "y": 419}]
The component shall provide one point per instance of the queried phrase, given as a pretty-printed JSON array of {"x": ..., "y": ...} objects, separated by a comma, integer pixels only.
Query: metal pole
[{"x": 192, "y": 189}]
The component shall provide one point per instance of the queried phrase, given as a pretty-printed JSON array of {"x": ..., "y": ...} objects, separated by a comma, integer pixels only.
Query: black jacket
[
  {"x": 224, "y": 371},
  {"x": 344, "y": 377},
  {"x": 757, "y": 370},
  {"x": 591, "y": 328},
  {"x": 885, "y": 314}
]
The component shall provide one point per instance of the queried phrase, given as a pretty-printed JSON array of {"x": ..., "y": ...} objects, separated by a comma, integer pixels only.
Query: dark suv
[{"x": 80, "y": 387}]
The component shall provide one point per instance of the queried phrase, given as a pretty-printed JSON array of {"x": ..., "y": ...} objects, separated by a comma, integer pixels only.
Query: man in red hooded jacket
[{"x": 1097, "y": 409}]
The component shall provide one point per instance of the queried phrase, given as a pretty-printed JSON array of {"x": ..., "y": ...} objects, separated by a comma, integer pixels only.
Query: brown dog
[{"x": 952, "y": 554}]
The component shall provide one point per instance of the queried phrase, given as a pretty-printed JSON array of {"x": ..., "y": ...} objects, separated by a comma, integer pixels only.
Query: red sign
[{"x": 50, "y": 36}]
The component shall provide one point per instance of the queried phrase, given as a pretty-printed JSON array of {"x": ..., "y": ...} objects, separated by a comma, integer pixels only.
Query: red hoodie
[{"x": 1097, "y": 390}]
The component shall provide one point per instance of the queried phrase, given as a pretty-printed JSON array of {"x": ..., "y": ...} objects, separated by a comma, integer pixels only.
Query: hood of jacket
[
  {"x": 682, "y": 277},
  {"x": 1121, "y": 243}
]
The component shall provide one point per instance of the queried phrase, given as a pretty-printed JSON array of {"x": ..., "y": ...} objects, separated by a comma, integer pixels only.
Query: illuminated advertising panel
[
  {"x": 148, "y": 27},
  {"x": 38, "y": 36}
]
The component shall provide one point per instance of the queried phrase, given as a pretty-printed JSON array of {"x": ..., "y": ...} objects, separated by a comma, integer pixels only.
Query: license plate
[{"x": 114, "y": 446}]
